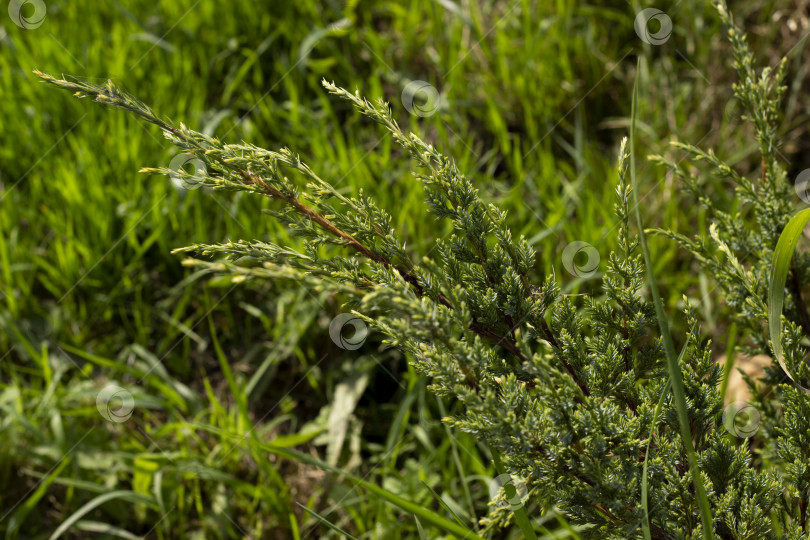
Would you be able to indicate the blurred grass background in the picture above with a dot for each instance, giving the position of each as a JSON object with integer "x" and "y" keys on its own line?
{"x": 535, "y": 100}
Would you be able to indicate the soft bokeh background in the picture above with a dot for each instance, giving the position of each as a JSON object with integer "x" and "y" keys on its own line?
{"x": 535, "y": 98}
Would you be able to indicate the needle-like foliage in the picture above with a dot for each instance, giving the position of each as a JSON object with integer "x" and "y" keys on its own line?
{"x": 563, "y": 389}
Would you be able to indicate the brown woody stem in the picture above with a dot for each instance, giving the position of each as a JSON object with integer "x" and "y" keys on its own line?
{"x": 350, "y": 241}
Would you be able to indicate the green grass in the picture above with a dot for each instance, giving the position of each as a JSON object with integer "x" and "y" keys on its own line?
{"x": 537, "y": 95}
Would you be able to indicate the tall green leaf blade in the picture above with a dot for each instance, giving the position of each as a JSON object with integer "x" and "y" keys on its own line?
{"x": 780, "y": 267}
{"x": 678, "y": 390}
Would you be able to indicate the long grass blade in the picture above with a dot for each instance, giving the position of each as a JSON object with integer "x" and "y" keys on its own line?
{"x": 678, "y": 391}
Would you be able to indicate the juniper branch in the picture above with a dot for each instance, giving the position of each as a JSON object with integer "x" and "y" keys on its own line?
{"x": 238, "y": 170}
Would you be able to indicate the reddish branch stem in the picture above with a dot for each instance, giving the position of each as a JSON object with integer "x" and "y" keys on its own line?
{"x": 350, "y": 241}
